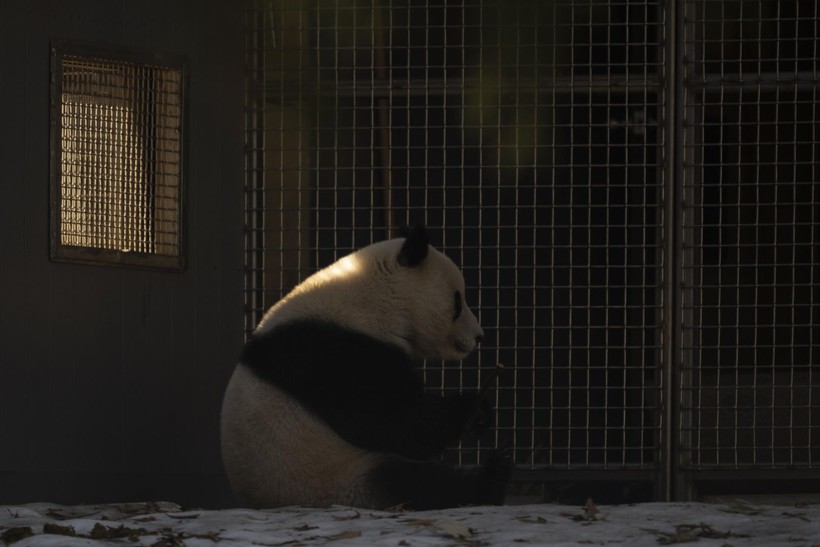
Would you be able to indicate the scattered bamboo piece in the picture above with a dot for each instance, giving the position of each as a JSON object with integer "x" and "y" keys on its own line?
{"x": 488, "y": 383}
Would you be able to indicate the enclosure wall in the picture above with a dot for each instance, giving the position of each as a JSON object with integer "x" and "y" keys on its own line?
{"x": 111, "y": 377}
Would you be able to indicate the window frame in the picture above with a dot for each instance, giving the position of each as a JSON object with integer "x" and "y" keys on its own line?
{"x": 62, "y": 252}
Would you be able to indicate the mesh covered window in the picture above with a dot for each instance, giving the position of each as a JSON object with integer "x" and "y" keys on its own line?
{"x": 117, "y": 171}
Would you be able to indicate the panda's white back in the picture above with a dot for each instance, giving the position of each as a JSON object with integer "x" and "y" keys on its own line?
{"x": 370, "y": 292}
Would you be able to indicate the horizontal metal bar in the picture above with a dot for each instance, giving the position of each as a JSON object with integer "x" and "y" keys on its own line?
{"x": 755, "y": 474}
{"x": 765, "y": 81}
{"x": 615, "y": 473}
{"x": 276, "y": 89}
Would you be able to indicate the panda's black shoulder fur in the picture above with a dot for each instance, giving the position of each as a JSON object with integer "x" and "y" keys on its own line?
{"x": 368, "y": 391}
{"x": 304, "y": 353}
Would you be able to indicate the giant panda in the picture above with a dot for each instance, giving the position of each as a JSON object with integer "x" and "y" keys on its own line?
{"x": 327, "y": 405}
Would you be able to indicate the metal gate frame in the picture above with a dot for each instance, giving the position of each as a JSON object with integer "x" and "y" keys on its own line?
{"x": 730, "y": 413}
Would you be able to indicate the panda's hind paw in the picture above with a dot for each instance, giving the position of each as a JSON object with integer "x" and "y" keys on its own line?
{"x": 497, "y": 471}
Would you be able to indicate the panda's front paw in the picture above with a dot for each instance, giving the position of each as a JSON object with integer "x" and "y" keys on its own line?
{"x": 484, "y": 418}
{"x": 478, "y": 412}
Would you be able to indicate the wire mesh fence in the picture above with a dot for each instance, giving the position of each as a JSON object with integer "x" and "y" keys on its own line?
{"x": 531, "y": 138}
{"x": 750, "y": 236}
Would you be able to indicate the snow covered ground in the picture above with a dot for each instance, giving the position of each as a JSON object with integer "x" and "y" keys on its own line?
{"x": 737, "y": 523}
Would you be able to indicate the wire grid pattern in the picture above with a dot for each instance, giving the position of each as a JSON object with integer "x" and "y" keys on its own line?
{"x": 525, "y": 135}
{"x": 256, "y": 33}
{"x": 751, "y": 262}
{"x": 120, "y": 157}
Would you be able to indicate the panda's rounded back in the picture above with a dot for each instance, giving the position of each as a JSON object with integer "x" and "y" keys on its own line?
{"x": 411, "y": 306}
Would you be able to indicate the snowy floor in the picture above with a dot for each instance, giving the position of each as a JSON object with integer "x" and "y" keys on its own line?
{"x": 165, "y": 524}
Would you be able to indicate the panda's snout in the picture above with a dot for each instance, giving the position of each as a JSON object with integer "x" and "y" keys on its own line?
{"x": 479, "y": 333}
{"x": 467, "y": 342}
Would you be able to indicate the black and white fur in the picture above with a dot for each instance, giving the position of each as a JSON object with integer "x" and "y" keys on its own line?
{"x": 327, "y": 406}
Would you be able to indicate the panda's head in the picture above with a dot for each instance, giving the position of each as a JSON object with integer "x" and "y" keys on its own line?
{"x": 402, "y": 291}
{"x": 442, "y": 325}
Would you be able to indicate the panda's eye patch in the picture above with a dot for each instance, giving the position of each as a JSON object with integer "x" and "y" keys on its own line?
{"x": 458, "y": 305}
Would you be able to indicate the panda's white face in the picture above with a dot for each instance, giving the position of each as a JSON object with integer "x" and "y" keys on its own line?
{"x": 404, "y": 292}
{"x": 443, "y": 325}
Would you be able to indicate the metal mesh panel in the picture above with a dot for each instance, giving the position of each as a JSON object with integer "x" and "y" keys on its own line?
{"x": 526, "y": 136}
{"x": 120, "y": 156}
{"x": 751, "y": 262}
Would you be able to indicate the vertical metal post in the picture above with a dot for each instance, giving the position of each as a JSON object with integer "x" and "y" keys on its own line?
{"x": 383, "y": 106}
{"x": 673, "y": 170}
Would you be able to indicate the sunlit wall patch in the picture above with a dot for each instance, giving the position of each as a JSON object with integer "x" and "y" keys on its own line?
{"x": 117, "y": 156}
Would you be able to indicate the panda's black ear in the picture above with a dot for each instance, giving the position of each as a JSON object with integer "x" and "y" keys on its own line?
{"x": 414, "y": 249}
